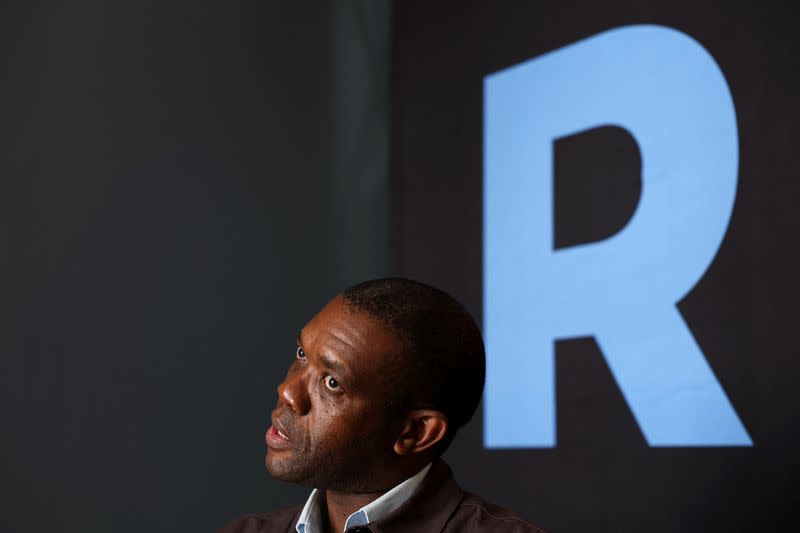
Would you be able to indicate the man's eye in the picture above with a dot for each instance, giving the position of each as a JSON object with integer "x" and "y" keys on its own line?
{"x": 300, "y": 354}
{"x": 332, "y": 384}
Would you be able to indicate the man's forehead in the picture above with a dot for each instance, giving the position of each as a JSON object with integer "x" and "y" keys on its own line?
{"x": 349, "y": 334}
{"x": 338, "y": 324}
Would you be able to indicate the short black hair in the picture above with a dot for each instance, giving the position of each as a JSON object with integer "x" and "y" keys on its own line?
{"x": 444, "y": 361}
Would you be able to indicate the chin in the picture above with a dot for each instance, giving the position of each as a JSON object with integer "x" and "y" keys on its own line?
{"x": 286, "y": 468}
{"x": 274, "y": 465}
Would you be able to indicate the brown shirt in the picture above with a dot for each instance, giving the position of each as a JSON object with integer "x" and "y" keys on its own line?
{"x": 439, "y": 506}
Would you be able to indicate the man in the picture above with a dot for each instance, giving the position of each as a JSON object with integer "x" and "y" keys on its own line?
{"x": 381, "y": 380}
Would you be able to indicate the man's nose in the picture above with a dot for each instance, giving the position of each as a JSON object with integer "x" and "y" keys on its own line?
{"x": 294, "y": 392}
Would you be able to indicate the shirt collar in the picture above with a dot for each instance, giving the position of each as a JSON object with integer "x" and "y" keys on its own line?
{"x": 310, "y": 516}
{"x": 310, "y": 520}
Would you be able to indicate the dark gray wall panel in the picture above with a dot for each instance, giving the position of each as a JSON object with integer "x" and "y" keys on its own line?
{"x": 182, "y": 186}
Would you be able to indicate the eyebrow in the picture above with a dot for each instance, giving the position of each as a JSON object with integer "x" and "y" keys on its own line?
{"x": 334, "y": 365}
{"x": 327, "y": 360}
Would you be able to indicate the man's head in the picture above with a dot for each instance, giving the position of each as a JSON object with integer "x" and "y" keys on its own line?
{"x": 381, "y": 380}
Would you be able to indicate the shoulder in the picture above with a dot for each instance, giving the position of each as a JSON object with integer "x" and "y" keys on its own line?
{"x": 276, "y": 521}
{"x": 476, "y": 514}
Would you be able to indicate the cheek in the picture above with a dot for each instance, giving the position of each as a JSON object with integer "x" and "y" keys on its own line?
{"x": 344, "y": 426}
{"x": 327, "y": 422}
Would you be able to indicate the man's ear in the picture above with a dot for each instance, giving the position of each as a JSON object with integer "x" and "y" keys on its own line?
{"x": 422, "y": 429}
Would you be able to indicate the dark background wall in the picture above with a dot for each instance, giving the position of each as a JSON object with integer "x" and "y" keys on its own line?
{"x": 602, "y": 476}
{"x": 182, "y": 186}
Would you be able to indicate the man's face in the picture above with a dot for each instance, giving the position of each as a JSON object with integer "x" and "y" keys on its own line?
{"x": 331, "y": 427}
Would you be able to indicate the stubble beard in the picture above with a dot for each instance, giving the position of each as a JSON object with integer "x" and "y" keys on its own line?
{"x": 353, "y": 470}
{"x": 289, "y": 469}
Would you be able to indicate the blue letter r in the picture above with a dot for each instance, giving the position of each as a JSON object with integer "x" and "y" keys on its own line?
{"x": 667, "y": 91}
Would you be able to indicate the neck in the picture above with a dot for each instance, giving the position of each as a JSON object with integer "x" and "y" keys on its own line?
{"x": 340, "y": 505}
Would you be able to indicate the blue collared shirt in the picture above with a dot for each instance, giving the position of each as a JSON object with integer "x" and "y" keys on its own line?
{"x": 310, "y": 520}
